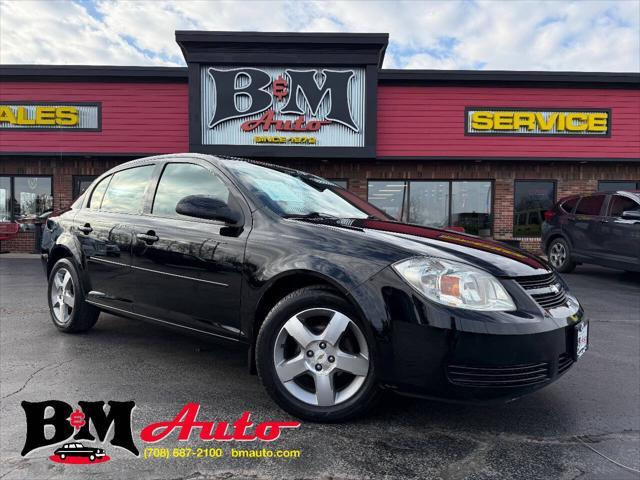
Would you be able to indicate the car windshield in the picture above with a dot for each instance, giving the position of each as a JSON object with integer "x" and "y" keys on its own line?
{"x": 295, "y": 194}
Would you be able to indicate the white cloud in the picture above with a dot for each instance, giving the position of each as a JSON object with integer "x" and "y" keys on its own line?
{"x": 507, "y": 35}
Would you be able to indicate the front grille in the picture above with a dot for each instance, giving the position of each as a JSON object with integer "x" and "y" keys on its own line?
{"x": 564, "y": 363}
{"x": 503, "y": 376}
{"x": 546, "y": 290}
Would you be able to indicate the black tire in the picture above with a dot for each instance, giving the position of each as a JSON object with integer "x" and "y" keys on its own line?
{"x": 559, "y": 255}
{"x": 82, "y": 316}
{"x": 301, "y": 300}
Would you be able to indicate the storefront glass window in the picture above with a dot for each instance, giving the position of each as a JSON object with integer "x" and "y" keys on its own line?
{"x": 471, "y": 207}
{"x": 5, "y": 196}
{"x": 615, "y": 185}
{"x": 437, "y": 203}
{"x": 388, "y": 196}
{"x": 429, "y": 203}
{"x": 32, "y": 196}
{"x": 531, "y": 200}
{"x": 81, "y": 183}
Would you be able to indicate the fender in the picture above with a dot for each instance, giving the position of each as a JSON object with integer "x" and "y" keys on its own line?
{"x": 67, "y": 245}
{"x": 325, "y": 271}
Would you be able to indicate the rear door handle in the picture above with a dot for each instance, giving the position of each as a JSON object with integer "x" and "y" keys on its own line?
{"x": 149, "y": 237}
{"x": 86, "y": 229}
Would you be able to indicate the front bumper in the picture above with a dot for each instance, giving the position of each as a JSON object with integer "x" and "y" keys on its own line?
{"x": 431, "y": 350}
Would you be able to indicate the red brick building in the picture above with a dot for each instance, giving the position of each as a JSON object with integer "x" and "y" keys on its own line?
{"x": 485, "y": 151}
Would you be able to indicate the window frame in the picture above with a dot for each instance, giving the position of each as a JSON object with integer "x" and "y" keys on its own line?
{"x": 404, "y": 216}
{"x": 554, "y": 202}
{"x": 12, "y": 177}
{"x": 152, "y": 179}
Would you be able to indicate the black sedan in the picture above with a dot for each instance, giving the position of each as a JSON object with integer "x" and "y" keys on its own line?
{"x": 79, "y": 450}
{"x": 334, "y": 300}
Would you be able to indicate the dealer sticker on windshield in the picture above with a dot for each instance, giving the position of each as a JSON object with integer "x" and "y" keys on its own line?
{"x": 582, "y": 338}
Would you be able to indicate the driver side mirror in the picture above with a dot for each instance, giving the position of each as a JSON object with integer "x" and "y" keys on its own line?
{"x": 209, "y": 208}
{"x": 631, "y": 215}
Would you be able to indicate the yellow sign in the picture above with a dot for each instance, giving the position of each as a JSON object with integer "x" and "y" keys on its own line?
{"x": 39, "y": 115}
{"x": 537, "y": 122}
{"x": 280, "y": 139}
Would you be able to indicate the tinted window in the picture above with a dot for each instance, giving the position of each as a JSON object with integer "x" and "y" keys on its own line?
{"x": 615, "y": 185}
{"x": 590, "y": 205}
{"x": 98, "y": 193}
{"x": 126, "y": 190}
{"x": 180, "y": 180}
{"x": 570, "y": 204}
{"x": 621, "y": 204}
{"x": 531, "y": 200}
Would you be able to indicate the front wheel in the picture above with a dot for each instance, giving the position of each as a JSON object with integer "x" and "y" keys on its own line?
{"x": 315, "y": 357}
{"x": 559, "y": 254}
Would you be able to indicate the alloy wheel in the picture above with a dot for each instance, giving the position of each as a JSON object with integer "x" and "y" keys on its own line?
{"x": 62, "y": 296}
{"x": 321, "y": 357}
{"x": 557, "y": 254}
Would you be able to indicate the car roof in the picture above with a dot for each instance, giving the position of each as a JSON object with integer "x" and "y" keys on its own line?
{"x": 218, "y": 160}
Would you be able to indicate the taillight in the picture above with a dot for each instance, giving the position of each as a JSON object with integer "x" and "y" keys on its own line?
{"x": 549, "y": 214}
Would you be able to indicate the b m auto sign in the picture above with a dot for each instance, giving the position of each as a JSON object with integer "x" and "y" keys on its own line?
{"x": 283, "y": 106}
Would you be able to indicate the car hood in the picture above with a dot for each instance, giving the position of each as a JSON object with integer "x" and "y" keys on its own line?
{"x": 495, "y": 257}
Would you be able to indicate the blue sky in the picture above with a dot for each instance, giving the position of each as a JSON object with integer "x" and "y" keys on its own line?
{"x": 468, "y": 34}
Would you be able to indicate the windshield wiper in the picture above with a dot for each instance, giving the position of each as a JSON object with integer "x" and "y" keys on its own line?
{"x": 311, "y": 216}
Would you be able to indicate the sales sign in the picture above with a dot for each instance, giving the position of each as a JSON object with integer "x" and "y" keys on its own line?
{"x": 537, "y": 122}
{"x": 50, "y": 116}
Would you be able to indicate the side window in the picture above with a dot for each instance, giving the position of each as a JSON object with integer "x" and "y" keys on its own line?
{"x": 570, "y": 204}
{"x": 621, "y": 204}
{"x": 590, "y": 205}
{"x": 98, "y": 193}
{"x": 126, "y": 190}
{"x": 180, "y": 180}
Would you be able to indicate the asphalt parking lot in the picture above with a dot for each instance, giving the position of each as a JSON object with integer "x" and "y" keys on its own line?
{"x": 541, "y": 436}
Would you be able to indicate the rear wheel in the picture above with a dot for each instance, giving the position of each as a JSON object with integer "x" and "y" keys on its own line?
{"x": 315, "y": 358}
{"x": 559, "y": 254}
{"x": 69, "y": 311}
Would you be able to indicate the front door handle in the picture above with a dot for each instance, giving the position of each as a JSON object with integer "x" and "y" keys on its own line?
{"x": 149, "y": 237}
{"x": 86, "y": 229}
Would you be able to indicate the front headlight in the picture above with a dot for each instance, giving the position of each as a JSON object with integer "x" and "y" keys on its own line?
{"x": 455, "y": 284}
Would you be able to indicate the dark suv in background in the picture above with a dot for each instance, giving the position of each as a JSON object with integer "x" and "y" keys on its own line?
{"x": 602, "y": 228}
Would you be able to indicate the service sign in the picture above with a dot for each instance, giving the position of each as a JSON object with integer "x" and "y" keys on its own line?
{"x": 537, "y": 122}
{"x": 308, "y": 107}
{"x": 50, "y": 116}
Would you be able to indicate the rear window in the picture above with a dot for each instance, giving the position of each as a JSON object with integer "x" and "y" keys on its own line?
{"x": 590, "y": 205}
{"x": 126, "y": 190}
{"x": 569, "y": 205}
